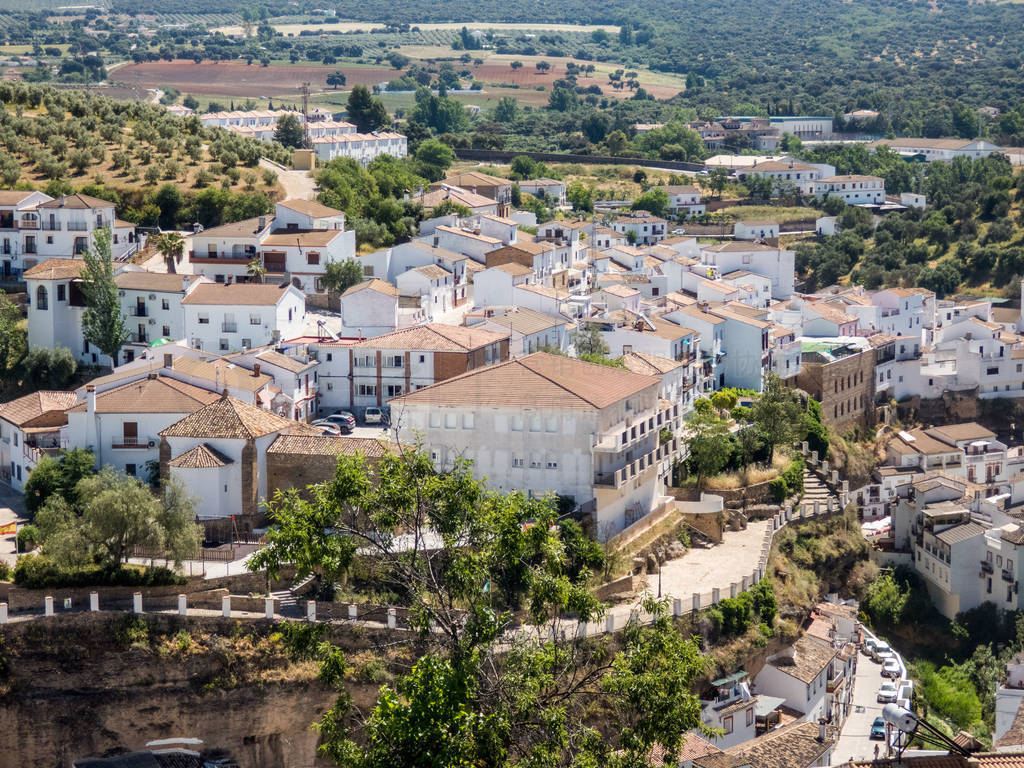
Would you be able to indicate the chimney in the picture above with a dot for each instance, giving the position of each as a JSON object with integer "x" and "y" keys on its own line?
{"x": 153, "y": 375}
{"x": 184, "y": 284}
{"x": 262, "y": 223}
{"x": 90, "y": 399}
{"x": 168, "y": 360}
{"x": 822, "y": 734}
{"x": 255, "y": 369}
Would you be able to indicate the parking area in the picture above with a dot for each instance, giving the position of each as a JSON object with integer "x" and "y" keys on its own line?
{"x": 854, "y": 739}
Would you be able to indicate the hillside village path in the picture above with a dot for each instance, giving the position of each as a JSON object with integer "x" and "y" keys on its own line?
{"x": 297, "y": 184}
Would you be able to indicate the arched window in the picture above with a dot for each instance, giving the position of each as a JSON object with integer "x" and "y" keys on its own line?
{"x": 41, "y": 298}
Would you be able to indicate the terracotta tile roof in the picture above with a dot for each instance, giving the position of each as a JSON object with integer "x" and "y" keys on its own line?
{"x": 302, "y": 238}
{"x": 524, "y": 246}
{"x": 734, "y": 246}
{"x": 692, "y": 747}
{"x": 471, "y": 200}
{"x": 514, "y": 268}
{"x": 327, "y": 445}
{"x": 153, "y": 394}
{"x": 776, "y": 165}
{"x": 476, "y": 179}
{"x": 13, "y": 196}
{"x": 954, "y": 433}
{"x": 221, "y": 372}
{"x": 158, "y": 282}
{"x": 679, "y": 189}
{"x": 290, "y": 364}
{"x": 432, "y": 272}
{"x": 77, "y": 201}
{"x": 959, "y": 533}
{"x": 539, "y": 380}
{"x": 543, "y": 290}
{"x": 202, "y": 456}
{"x": 649, "y": 365}
{"x": 232, "y": 419}
{"x": 374, "y": 284}
{"x": 472, "y": 235}
{"x": 791, "y": 746}
{"x": 525, "y": 320}
{"x": 435, "y": 337}
{"x": 810, "y": 656}
{"x": 830, "y": 312}
{"x": 237, "y": 294}
{"x": 924, "y": 143}
{"x": 622, "y": 291}
{"x": 984, "y": 760}
{"x": 310, "y": 208}
{"x": 25, "y": 410}
{"x": 55, "y": 269}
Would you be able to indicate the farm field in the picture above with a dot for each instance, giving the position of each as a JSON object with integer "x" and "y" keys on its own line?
{"x": 238, "y": 80}
{"x": 363, "y": 26}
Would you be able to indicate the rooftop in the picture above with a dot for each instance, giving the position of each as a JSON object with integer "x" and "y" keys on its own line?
{"x": 55, "y": 269}
{"x": 25, "y": 410}
{"x": 810, "y": 656}
{"x": 327, "y": 445}
{"x": 301, "y": 238}
{"x": 373, "y": 284}
{"x": 203, "y": 456}
{"x": 435, "y": 337}
{"x": 237, "y": 294}
{"x": 649, "y": 365}
{"x": 539, "y": 380}
{"x": 153, "y": 394}
{"x": 310, "y": 208}
{"x": 232, "y": 419}
{"x": 157, "y": 282}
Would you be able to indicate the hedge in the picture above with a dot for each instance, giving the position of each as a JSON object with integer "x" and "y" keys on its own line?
{"x": 41, "y": 573}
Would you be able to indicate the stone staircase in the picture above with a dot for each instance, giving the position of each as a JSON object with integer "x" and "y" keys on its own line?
{"x": 815, "y": 491}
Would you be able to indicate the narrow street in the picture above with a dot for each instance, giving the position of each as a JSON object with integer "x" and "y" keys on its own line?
{"x": 854, "y": 740}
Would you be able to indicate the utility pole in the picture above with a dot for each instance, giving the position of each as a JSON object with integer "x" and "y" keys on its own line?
{"x": 306, "y": 144}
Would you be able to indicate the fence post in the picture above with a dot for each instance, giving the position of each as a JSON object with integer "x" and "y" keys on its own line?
{"x": 609, "y": 623}
{"x": 835, "y": 477}
{"x": 353, "y": 612}
{"x": 270, "y": 607}
{"x": 716, "y": 595}
{"x": 817, "y": 507}
{"x": 392, "y": 618}
{"x": 814, "y": 457}
{"x": 634, "y": 616}
{"x": 824, "y": 467}
{"x": 311, "y": 610}
{"x": 137, "y": 602}
{"x": 733, "y": 589}
{"x": 183, "y": 605}
{"x": 48, "y": 605}
{"x": 581, "y": 630}
{"x": 745, "y": 584}
{"x": 696, "y": 601}
{"x": 677, "y": 606}
{"x": 225, "y": 606}
{"x": 94, "y": 601}
{"x": 3, "y": 613}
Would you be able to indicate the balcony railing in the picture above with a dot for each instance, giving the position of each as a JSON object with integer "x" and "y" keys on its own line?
{"x": 229, "y": 327}
{"x": 138, "y": 338}
{"x": 78, "y": 226}
{"x": 131, "y": 443}
{"x": 50, "y": 226}
{"x": 139, "y": 310}
{"x": 986, "y": 566}
{"x": 620, "y": 476}
{"x": 1007, "y": 574}
{"x": 28, "y": 224}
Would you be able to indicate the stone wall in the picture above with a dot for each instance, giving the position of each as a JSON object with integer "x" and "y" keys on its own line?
{"x": 292, "y": 470}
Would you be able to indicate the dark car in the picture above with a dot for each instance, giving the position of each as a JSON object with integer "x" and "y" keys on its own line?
{"x": 346, "y": 421}
{"x": 878, "y": 729}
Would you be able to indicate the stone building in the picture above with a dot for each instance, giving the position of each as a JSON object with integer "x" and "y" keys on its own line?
{"x": 841, "y": 376}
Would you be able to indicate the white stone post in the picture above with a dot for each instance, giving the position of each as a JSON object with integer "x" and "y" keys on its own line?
{"x": 696, "y": 601}
{"x": 392, "y": 618}
{"x": 733, "y": 589}
{"x": 716, "y": 596}
{"x": 814, "y": 457}
{"x": 3, "y": 613}
{"x": 270, "y": 607}
{"x": 94, "y": 601}
{"x": 225, "y": 606}
{"x": 311, "y": 610}
{"x": 677, "y": 606}
{"x": 183, "y": 605}
{"x": 353, "y": 612}
{"x": 817, "y": 507}
{"x": 745, "y": 584}
{"x": 609, "y": 623}
{"x": 48, "y": 605}
{"x": 137, "y": 602}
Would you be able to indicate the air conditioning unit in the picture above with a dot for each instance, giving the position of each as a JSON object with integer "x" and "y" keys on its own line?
{"x": 120, "y": 293}
{"x": 152, "y": 297}
{"x": 151, "y": 444}
{"x": 152, "y": 321}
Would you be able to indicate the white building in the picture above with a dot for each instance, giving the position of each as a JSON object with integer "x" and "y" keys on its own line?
{"x": 755, "y": 229}
{"x": 494, "y": 287}
{"x": 551, "y": 191}
{"x": 530, "y": 331}
{"x": 361, "y": 147}
{"x": 801, "y": 176}
{"x": 432, "y": 285}
{"x": 121, "y": 425}
{"x": 643, "y": 228}
{"x": 777, "y": 264}
{"x": 18, "y": 220}
{"x": 151, "y": 303}
{"x": 235, "y": 316}
{"x": 852, "y": 189}
{"x": 30, "y": 429}
{"x": 937, "y": 149}
{"x": 684, "y": 199}
{"x": 369, "y": 309}
{"x": 803, "y": 675}
{"x": 551, "y": 424}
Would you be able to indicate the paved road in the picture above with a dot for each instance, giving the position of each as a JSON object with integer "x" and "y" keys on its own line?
{"x": 853, "y": 739}
{"x": 297, "y": 184}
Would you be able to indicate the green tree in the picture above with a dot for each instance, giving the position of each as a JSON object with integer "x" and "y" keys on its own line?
{"x": 255, "y": 270}
{"x": 505, "y": 112}
{"x": 336, "y": 78}
{"x": 580, "y": 196}
{"x": 433, "y": 158}
{"x": 171, "y": 246}
{"x": 170, "y": 201}
{"x": 41, "y": 368}
{"x": 479, "y": 691}
{"x": 103, "y": 324}
{"x": 449, "y": 206}
{"x": 653, "y": 200}
{"x": 339, "y": 276}
{"x": 289, "y": 131}
{"x": 717, "y": 179}
{"x": 79, "y": 159}
{"x": 13, "y": 337}
{"x": 586, "y": 339}
{"x": 59, "y": 477}
{"x": 710, "y": 445}
{"x": 367, "y": 113}
{"x": 778, "y": 414}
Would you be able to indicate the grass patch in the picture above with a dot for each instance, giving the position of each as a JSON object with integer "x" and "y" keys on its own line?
{"x": 775, "y": 213}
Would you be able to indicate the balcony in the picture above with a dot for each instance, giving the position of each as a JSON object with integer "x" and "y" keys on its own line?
{"x": 834, "y": 683}
{"x": 1007, "y": 574}
{"x": 138, "y": 338}
{"x": 986, "y": 566}
{"x": 139, "y": 310}
{"x": 78, "y": 226}
{"x": 50, "y": 226}
{"x": 229, "y": 327}
{"x": 617, "y": 478}
{"x": 28, "y": 224}
{"x": 125, "y": 442}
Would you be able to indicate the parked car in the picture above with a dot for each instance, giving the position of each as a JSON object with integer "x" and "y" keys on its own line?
{"x": 327, "y": 427}
{"x": 881, "y": 652}
{"x": 374, "y": 415}
{"x": 679, "y": 231}
{"x": 888, "y": 692}
{"x": 878, "y": 729}
{"x": 345, "y": 421}
{"x": 869, "y": 646}
{"x": 891, "y": 668}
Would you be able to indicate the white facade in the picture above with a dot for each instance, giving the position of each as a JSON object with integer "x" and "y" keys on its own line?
{"x": 777, "y": 264}
{"x": 228, "y": 318}
{"x": 361, "y": 147}
{"x": 852, "y": 190}
{"x": 369, "y": 309}
{"x": 755, "y": 230}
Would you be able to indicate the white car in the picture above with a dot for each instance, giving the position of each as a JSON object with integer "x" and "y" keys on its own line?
{"x": 891, "y": 668}
{"x": 373, "y": 415}
{"x": 888, "y": 692}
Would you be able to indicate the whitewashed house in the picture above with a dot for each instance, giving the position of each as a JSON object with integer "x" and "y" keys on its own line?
{"x": 432, "y": 285}
{"x": 369, "y": 309}
{"x": 230, "y": 317}
{"x": 30, "y": 429}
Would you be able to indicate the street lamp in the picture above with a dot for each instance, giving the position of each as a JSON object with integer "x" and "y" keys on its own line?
{"x": 661, "y": 565}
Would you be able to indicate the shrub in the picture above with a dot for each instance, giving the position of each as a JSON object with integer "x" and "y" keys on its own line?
{"x": 28, "y": 538}
{"x": 793, "y": 475}
{"x": 42, "y": 573}
{"x": 780, "y": 491}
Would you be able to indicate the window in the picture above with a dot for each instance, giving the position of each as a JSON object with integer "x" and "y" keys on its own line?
{"x": 992, "y": 371}
{"x": 423, "y": 358}
{"x": 450, "y": 420}
{"x": 395, "y": 361}
{"x": 727, "y": 724}
{"x": 165, "y": 331}
{"x": 368, "y": 390}
{"x": 394, "y": 390}
{"x": 224, "y": 345}
{"x": 552, "y": 464}
{"x": 42, "y": 302}
{"x": 517, "y": 423}
{"x": 517, "y": 462}
{"x": 750, "y": 716}
{"x": 129, "y": 469}
{"x": 330, "y": 386}
{"x": 49, "y": 239}
{"x": 988, "y": 586}
{"x": 247, "y": 343}
{"x": 312, "y": 258}
{"x": 435, "y": 419}
{"x": 254, "y": 318}
{"x": 551, "y": 424}
{"x": 535, "y": 423}
{"x": 62, "y": 294}
{"x": 330, "y": 357}
{"x": 204, "y": 318}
